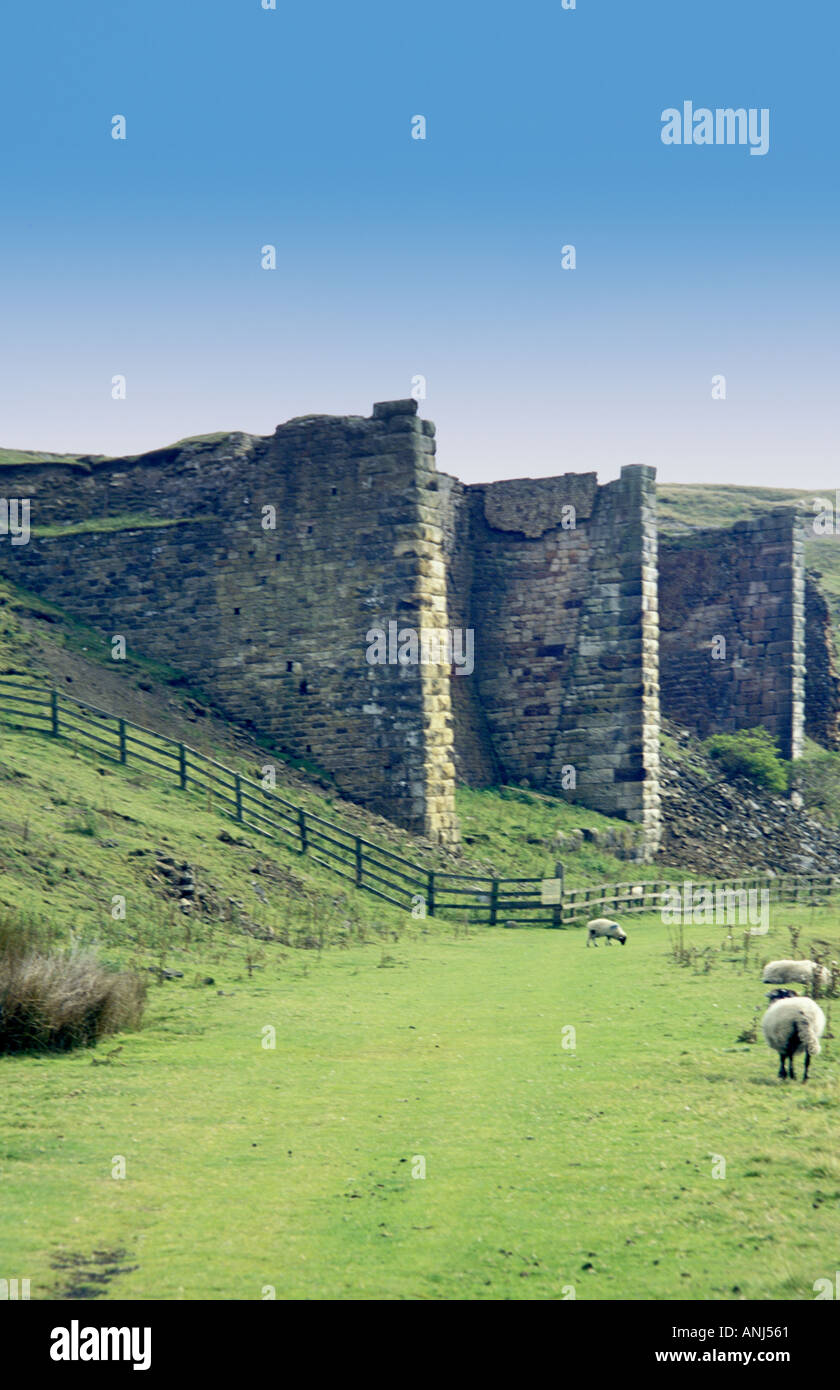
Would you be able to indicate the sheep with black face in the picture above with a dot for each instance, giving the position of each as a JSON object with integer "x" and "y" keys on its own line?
{"x": 793, "y": 1023}
{"x": 602, "y": 926}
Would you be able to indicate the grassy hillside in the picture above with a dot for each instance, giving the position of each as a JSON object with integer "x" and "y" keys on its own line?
{"x": 554, "y": 1160}
{"x": 81, "y": 462}
{"x": 689, "y": 506}
{"x": 17, "y": 458}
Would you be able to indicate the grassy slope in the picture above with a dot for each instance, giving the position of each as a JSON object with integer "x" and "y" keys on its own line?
{"x": 17, "y": 458}
{"x": 687, "y": 506}
{"x": 292, "y": 1166}
{"x": 105, "y": 524}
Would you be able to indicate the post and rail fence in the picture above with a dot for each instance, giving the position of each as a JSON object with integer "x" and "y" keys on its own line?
{"x": 490, "y": 900}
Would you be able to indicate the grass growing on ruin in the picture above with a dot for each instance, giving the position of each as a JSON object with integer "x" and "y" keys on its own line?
{"x": 134, "y": 521}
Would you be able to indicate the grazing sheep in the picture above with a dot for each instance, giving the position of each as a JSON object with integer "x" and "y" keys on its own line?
{"x": 796, "y": 972}
{"x": 792, "y": 1024}
{"x": 602, "y": 926}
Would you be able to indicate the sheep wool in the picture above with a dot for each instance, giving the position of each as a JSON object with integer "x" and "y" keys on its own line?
{"x": 792, "y": 1024}
{"x": 796, "y": 972}
{"x": 602, "y": 926}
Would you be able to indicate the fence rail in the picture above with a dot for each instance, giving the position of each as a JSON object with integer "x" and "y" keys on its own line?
{"x": 372, "y": 867}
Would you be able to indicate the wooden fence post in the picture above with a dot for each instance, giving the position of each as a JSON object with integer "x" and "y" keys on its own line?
{"x": 182, "y": 767}
{"x": 238, "y": 785}
{"x": 302, "y": 829}
{"x": 123, "y": 749}
{"x": 54, "y": 712}
{"x": 359, "y": 864}
{"x": 430, "y": 894}
{"x": 557, "y": 913}
{"x": 494, "y": 901}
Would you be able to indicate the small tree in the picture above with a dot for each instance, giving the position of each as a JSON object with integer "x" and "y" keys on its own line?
{"x": 751, "y": 753}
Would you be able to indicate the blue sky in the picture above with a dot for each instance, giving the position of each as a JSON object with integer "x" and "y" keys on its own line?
{"x": 442, "y": 257}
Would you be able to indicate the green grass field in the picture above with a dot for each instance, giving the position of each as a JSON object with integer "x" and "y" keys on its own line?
{"x": 546, "y": 1168}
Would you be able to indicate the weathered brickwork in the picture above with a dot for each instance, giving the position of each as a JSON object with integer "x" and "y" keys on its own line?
{"x": 822, "y": 683}
{"x": 258, "y": 566}
{"x": 745, "y": 585}
{"x": 558, "y": 578}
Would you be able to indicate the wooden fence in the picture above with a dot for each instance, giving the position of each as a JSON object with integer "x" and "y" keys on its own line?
{"x": 581, "y": 904}
{"x": 372, "y": 867}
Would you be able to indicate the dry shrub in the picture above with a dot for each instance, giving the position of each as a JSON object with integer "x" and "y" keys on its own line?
{"x": 62, "y": 1000}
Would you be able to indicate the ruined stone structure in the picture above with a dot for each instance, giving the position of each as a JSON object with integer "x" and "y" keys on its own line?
{"x": 732, "y": 650}
{"x": 557, "y": 576}
{"x": 260, "y": 566}
{"x": 268, "y": 610}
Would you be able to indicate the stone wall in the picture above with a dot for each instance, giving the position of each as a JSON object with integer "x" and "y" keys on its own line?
{"x": 743, "y": 590}
{"x": 476, "y": 757}
{"x": 258, "y": 566}
{"x": 557, "y": 577}
{"x": 273, "y": 622}
{"x": 177, "y": 554}
{"x": 822, "y": 683}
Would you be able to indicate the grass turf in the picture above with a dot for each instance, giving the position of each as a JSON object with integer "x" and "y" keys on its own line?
{"x": 547, "y": 1169}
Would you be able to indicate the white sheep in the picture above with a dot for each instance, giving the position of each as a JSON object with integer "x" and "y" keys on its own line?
{"x": 602, "y": 926}
{"x": 796, "y": 972}
{"x": 792, "y": 1024}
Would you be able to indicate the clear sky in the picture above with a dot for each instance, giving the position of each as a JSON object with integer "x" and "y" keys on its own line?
{"x": 441, "y": 257}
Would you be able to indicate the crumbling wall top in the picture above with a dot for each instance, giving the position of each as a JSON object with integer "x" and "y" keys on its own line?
{"x": 533, "y": 506}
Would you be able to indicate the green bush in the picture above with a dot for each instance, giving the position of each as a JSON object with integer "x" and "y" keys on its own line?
{"x": 751, "y": 753}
